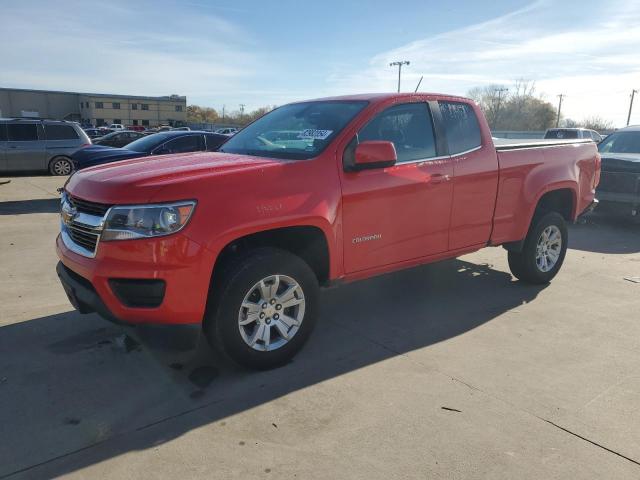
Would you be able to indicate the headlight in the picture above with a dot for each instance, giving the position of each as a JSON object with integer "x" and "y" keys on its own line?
{"x": 144, "y": 221}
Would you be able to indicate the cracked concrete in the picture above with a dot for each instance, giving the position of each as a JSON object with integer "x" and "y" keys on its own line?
{"x": 453, "y": 370}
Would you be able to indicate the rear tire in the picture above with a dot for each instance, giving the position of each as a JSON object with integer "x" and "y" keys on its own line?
{"x": 60, "y": 166}
{"x": 268, "y": 297}
{"x": 544, "y": 250}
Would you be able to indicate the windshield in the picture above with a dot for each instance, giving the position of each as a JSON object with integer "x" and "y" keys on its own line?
{"x": 148, "y": 143}
{"x": 297, "y": 131}
{"x": 621, "y": 142}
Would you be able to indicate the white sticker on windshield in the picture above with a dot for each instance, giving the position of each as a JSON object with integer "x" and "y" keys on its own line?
{"x": 314, "y": 134}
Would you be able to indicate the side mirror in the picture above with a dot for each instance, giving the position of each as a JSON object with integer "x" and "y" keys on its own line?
{"x": 375, "y": 154}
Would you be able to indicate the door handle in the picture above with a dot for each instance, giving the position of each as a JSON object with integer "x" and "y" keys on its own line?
{"x": 439, "y": 178}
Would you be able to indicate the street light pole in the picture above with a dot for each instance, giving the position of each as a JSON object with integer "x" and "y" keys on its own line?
{"x": 399, "y": 64}
{"x": 633, "y": 93}
{"x": 561, "y": 96}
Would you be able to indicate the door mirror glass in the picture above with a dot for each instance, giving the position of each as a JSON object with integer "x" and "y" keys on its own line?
{"x": 375, "y": 154}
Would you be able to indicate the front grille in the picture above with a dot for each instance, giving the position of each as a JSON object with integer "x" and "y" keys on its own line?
{"x": 84, "y": 236}
{"x": 91, "y": 208}
{"x": 619, "y": 182}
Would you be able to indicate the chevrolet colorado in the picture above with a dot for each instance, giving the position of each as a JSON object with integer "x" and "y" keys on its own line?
{"x": 241, "y": 239}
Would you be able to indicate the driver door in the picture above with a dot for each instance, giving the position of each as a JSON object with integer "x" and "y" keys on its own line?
{"x": 398, "y": 213}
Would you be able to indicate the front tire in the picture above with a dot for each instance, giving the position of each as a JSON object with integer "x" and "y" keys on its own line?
{"x": 544, "y": 250}
{"x": 265, "y": 309}
{"x": 60, "y": 166}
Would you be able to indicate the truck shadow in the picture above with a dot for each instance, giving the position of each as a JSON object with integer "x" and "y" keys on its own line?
{"x": 603, "y": 234}
{"x": 21, "y": 207}
{"x": 77, "y": 390}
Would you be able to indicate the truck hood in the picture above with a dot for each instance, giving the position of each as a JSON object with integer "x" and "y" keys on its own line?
{"x": 139, "y": 180}
{"x": 621, "y": 162}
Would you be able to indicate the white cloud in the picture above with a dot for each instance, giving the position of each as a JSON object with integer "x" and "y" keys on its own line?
{"x": 578, "y": 48}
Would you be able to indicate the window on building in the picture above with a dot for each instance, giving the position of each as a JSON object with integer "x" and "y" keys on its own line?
{"x": 22, "y": 132}
{"x": 99, "y": 122}
{"x": 178, "y": 108}
{"x": 135, "y": 122}
{"x": 59, "y": 132}
{"x": 81, "y": 105}
{"x": 145, "y": 123}
{"x": 87, "y": 104}
{"x": 99, "y": 105}
{"x": 144, "y": 106}
{"x": 134, "y": 106}
{"x": 116, "y": 105}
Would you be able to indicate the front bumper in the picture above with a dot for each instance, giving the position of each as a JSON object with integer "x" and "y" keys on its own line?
{"x": 621, "y": 204}
{"x": 181, "y": 265}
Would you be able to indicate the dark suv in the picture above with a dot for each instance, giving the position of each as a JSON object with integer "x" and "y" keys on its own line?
{"x": 28, "y": 144}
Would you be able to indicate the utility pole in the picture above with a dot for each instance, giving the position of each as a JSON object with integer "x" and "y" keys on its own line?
{"x": 223, "y": 107}
{"x": 399, "y": 64}
{"x": 561, "y": 96}
{"x": 499, "y": 92}
{"x": 633, "y": 94}
{"x": 241, "y": 111}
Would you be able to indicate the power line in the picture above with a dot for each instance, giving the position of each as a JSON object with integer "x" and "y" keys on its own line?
{"x": 399, "y": 64}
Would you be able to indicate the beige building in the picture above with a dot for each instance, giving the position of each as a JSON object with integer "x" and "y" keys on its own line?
{"x": 94, "y": 108}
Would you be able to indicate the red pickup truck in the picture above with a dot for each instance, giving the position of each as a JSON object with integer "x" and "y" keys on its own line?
{"x": 312, "y": 194}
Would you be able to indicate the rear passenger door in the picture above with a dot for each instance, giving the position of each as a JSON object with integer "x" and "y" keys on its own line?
{"x": 475, "y": 175}
{"x": 25, "y": 147}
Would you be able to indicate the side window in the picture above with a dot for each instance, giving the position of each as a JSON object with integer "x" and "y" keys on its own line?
{"x": 461, "y": 127}
{"x": 60, "y": 132}
{"x": 408, "y": 126}
{"x": 214, "y": 142}
{"x": 3, "y": 132}
{"x": 189, "y": 143}
{"x": 22, "y": 132}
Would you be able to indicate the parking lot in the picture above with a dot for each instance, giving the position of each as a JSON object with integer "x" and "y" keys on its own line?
{"x": 453, "y": 370}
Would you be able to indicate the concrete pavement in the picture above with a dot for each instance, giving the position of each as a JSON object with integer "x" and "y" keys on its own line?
{"x": 453, "y": 370}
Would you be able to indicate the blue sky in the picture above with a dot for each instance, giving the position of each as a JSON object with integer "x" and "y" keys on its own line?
{"x": 259, "y": 53}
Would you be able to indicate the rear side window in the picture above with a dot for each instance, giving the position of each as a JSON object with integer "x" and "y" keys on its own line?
{"x": 60, "y": 132}
{"x": 3, "y": 132}
{"x": 190, "y": 143}
{"x": 22, "y": 132}
{"x": 408, "y": 127}
{"x": 214, "y": 142}
{"x": 461, "y": 127}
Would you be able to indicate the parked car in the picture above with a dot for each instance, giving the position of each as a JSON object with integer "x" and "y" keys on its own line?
{"x": 118, "y": 138}
{"x": 155, "y": 144}
{"x": 30, "y": 144}
{"x": 227, "y": 131}
{"x": 568, "y": 133}
{"x": 163, "y": 128}
{"x": 136, "y": 128}
{"x": 116, "y": 126}
{"x": 93, "y": 132}
{"x": 186, "y": 129}
{"x": 239, "y": 240}
{"x": 619, "y": 188}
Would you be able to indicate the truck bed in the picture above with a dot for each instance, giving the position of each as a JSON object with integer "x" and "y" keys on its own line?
{"x": 513, "y": 144}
